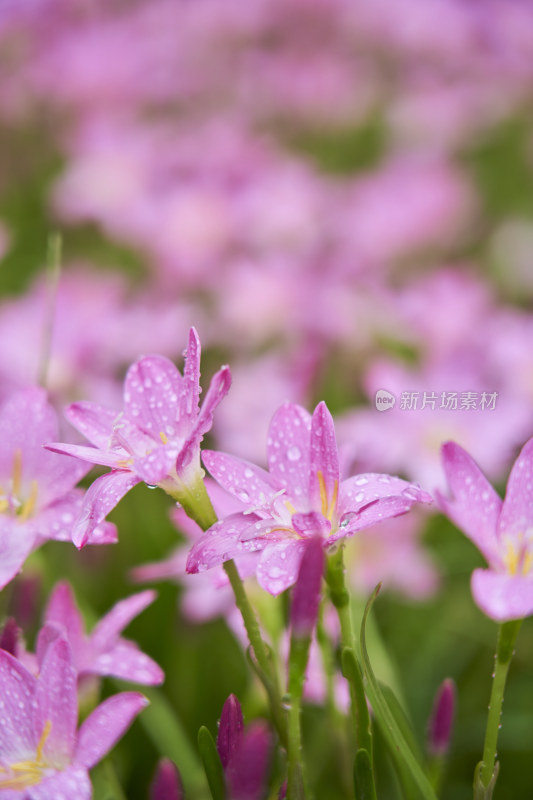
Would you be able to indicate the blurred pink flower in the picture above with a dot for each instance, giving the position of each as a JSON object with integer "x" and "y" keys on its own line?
{"x": 104, "y": 651}
{"x": 501, "y": 531}
{"x": 38, "y": 500}
{"x": 42, "y": 755}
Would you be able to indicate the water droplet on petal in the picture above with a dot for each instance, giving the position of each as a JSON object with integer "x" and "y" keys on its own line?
{"x": 294, "y": 453}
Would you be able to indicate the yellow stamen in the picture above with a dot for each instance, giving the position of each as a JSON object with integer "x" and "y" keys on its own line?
{"x": 289, "y": 506}
{"x": 26, "y": 773}
{"x": 42, "y": 741}
{"x": 29, "y": 506}
{"x": 17, "y": 471}
{"x": 4, "y": 505}
{"x": 323, "y": 493}
{"x": 124, "y": 463}
{"x": 333, "y": 504}
{"x": 511, "y": 559}
{"x": 164, "y": 437}
{"x": 327, "y": 508}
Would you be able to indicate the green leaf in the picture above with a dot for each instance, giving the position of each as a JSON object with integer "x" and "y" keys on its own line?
{"x": 402, "y": 720}
{"x": 363, "y": 776}
{"x": 105, "y": 782}
{"x": 212, "y": 764}
{"x": 399, "y": 748}
{"x": 166, "y": 732}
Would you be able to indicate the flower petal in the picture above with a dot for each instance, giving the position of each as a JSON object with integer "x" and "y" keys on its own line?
{"x": 95, "y": 422}
{"x": 107, "y": 631}
{"x": 67, "y": 784}
{"x": 190, "y": 387}
{"x": 311, "y": 524}
{"x": 501, "y": 596}
{"x": 101, "y": 497}
{"x": 166, "y": 784}
{"x": 218, "y": 389}
{"x": 279, "y": 565}
{"x": 151, "y": 390}
{"x": 222, "y": 542}
{"x": 127, "y": 662}
{"x": 474, "y": 506}
{"x": 108, "y": 458}
{"x": 56, "y": 703}
{"x": 377, "y": 511}
{"x": 17, "y": 689}
{"x": 242, "y": 479}
{"x": 324, "y": 457}
{"x": 230, "y": 730}
{"x": 63, "y": 611}
{"x": 517, "y": 511}
{"x": 288, "y": 451}
{"x": 16, "y": 543}
{"x": 104, "y": 727}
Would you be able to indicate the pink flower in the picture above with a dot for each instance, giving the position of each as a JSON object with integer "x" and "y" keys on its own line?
{"x": 42, "y": 755}
{"x": 502, "y": 531}
{"x": 301, "y": 496}
{"x": 104, "y": 651}
{"x": 166, "y": 784}
{"x": 38, "y": 500}
{"x": 155, "y": 439}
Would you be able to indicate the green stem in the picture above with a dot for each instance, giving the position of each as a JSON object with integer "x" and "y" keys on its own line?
{"x": 297, "y": 665}
{"x": 341, "y": 600}
{"x": 266, "y": 670}
{"x": 197, "y": 505}
{"x": 507, "y": 634}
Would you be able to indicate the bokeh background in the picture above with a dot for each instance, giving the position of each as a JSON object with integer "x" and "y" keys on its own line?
{"x": 338, "y": 195}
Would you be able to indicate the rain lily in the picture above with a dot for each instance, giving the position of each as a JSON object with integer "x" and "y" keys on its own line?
{"x": 502, "y": 531}
{"x": 42, "y": 755}
{"x": 104, "y": 651}
{"x": 299, "y": 497}
{"x": 156, "y": 439}
{"x": 38, "y": 500}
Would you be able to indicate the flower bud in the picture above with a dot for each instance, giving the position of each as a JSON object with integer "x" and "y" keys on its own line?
{"x": 441, "y": 720}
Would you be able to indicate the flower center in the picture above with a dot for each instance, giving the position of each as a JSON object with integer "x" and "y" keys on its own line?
{"x": 11, "y": 500}
{"x": 518, "y": 555}
{"x": 26, "y": 773}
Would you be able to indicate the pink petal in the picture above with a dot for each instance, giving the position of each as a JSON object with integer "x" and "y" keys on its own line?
{"x": 63, "y": 611}
{"x": 108, "y": 458}
{"x": 311, "y": 524}
{"x": 517, "y": 510}
{"x": 95, "y": 422}
{"x": 474, "y": 506}
{"x": 324, "y": 456}
{"x": 104, "y": 727}
{"x": 288, "y": 451}
{"x": 56, "y": 702}
{"x": 268, "y": 530}
{"x": 26, "y": 422}
{"x": 101, "y": 497}
{"x": 70, "y": 783}
{"x": 242, "y": 479}
{"x": 377, "y": 511}
{"x": 111, "y": 626}
{"x": 127, "y": 662}
{"x": 151, "y": 392}
{"x": 501, "y": 596}
{"x": 16, "y": 543}
{"x": 279, "y": 565}
{"x": 48, "y": 634}
{"x": 17, "y": 689}
{"x": 307, "y": 591}
{"x": 222, "y": 542}
{"x": 154, "y": 465}
{"x": 190, "y": 387}
{"x": 218, "y": 389}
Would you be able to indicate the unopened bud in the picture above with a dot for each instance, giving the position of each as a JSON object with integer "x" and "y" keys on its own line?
{"x": 229, "y": 730}
{"x": 306, "y": 593}
{"x": 441, "y": 720}
{"x": 166, "y": 784}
